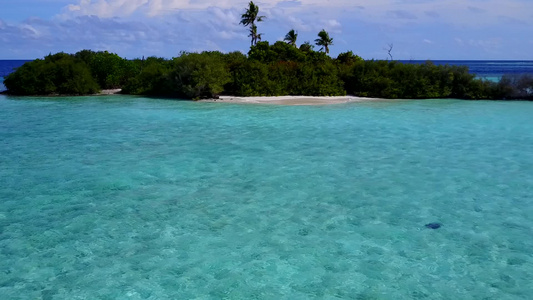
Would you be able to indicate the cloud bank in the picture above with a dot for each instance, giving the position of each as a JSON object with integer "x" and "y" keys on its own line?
{"x": 419, "y": 29}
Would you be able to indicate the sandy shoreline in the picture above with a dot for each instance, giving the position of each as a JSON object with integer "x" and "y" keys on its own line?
{"x": 110, "y": 92}
{"x": 292, "y": 100}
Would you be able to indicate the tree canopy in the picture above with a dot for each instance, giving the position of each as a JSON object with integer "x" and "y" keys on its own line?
{"x": 268, "y": 70}
{"x": 60, "y": 73}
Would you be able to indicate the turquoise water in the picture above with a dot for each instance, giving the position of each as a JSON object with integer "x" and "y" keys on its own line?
{"x": 133, "y": 198}
{"x": 491, "y": 78}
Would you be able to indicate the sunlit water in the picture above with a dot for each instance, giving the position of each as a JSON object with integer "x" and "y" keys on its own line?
{"x": 134, "y": 198}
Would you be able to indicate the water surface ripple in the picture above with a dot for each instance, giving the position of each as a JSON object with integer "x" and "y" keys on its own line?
{"x": 134, "y": 198}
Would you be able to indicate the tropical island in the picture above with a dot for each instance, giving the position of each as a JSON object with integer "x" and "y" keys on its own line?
{"x": 283, "y": 68}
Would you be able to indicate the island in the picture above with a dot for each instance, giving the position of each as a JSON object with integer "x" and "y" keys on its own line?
{"x": 278, "y": 69}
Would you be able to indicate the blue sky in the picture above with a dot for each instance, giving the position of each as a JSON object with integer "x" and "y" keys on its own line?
{"x": 417, "y": 29}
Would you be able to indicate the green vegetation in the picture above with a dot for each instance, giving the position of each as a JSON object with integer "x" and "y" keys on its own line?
{"x": 390, "y": 79}
{"x": 515, "y": 87}
{"x": 282, "y": 68}
{"x": 267, "y": 70}
{"x": 55, "y": 74}
{"x": 108, "y": 69}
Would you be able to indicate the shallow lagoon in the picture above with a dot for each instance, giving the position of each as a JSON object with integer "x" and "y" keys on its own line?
{"x": 132, "y": 198}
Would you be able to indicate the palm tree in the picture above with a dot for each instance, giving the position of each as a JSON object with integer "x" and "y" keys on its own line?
{"x": 249, "y": 18}
{"x": 253, "y": 33}
{"x": 291, "y": 37}
{"x": 307, "y": 47}
{"x": 324, "y": 40}
{"x": 256, "y": 37}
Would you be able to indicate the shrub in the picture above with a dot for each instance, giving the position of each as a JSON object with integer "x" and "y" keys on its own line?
{"x": 56, "y": 74}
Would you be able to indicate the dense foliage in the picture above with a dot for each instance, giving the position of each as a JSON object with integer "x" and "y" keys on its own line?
{"x": 267, "y": 70}
{"x": 387, "y": 79}
{"x": 282, "y": 69}
{"x": 515, "y": 87}
{"x": 55, "y": 74}
{"x": 108, "y": 69}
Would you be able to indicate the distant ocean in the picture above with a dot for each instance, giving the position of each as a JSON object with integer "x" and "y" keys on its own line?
{"x": 488, "y": 69}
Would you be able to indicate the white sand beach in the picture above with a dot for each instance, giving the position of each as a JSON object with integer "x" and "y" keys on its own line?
{"x": 292, "y": 100}
{"x": 110, "y": 92}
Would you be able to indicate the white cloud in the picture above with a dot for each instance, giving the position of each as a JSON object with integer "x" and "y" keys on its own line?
{"x": 30, "y": 31}
{"x": 392, "y": 12}
{"x": 121, "y": 8}
{"x": 106, "y": 8}
{"x": 489, "y": 45}
{"x": 332, "y": 25}
{"x": 165, "y": 27}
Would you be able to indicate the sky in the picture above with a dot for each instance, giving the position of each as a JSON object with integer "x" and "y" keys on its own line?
{"x": 416, "y": 29}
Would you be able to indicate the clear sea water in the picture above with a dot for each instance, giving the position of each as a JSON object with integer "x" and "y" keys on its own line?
{"x": 132, "y": 198}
